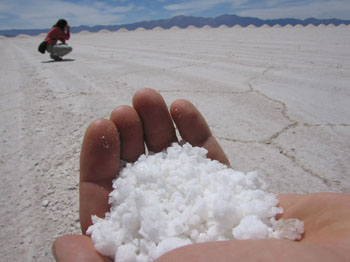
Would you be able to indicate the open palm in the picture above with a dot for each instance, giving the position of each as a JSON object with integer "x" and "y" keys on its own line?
{"x": 107, "y": 142}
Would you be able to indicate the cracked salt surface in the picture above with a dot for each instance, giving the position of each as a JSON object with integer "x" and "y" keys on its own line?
{"x": 178, "y": 197}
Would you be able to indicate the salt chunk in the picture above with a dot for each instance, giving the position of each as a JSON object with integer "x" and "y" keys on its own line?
{"x": 200, "y": 209}
{"x": 250, "y": 227}
{"x": 152, "y": 223}
{"x": 146, "y": 246}
{"x": 225, "y": 212}
{"x": 213, "y": 233}
{"x": 202, "y": 238}
{"x": 45, "y": 203}
{"x": 291, "y": 229}
{"x": 254, "y": 182}
{"x": 194, "y": 220}
{"x": 105, "y": 240}
{"x": 130, "y": 221}
{"x": 194, "y": 236}
{"x": 257, "y": 207}
{"x": 175, "y": 227}
{"x": 126, "y": 253}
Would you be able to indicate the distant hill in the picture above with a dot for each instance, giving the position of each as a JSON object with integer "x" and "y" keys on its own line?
{"x": 185, "y": 21}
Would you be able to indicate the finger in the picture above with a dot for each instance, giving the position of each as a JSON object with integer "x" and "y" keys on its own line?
{"x": 130, "y": 130}
{"x": 99, "y": 165}
{"x": 159, "y": 131}
{"x": 76, "y": 248}
{"x": 194, "y": 129}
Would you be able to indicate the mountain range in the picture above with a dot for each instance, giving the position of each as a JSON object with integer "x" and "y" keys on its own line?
{"x": 185, "y": 21}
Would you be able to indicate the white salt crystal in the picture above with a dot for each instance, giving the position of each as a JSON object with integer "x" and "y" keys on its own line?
{"x": 105, "y": 240}
{"x": 194, "y": 236}
{"x": 202, "y": 238}
{"x": 213, "y": 233}
{"x": 250, "y": 227}
{"x": 45, "y": 203}
{"x": 291, "y": 229}
{"x": 179, "y": 197}
{"x": 126, "y": 253}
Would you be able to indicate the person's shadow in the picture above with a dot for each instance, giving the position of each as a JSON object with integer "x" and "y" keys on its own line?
{"x": 59, "y": 61}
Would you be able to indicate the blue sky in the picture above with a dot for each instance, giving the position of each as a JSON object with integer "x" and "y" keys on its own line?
{"x": 29, "y": 14}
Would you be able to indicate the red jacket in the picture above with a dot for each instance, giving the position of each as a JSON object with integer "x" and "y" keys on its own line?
{"x": 56, "y": 34}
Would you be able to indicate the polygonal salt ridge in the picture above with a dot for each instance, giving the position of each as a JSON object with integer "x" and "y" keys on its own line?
{"x": 270, "y": 115}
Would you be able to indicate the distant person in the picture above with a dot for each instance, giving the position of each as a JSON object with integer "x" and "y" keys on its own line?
{"x": 59, "y": 32}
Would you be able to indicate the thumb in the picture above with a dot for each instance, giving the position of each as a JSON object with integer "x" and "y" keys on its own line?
{"x": 76, "y": 248}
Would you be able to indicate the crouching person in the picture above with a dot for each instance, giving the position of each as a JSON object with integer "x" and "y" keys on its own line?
{"x": 59, "y": 32}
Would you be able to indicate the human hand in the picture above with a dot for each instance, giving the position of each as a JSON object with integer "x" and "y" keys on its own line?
{"x": 106, "y": 142}
{"x": 326, "y": 216}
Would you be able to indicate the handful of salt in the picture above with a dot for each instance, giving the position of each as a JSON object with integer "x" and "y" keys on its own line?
{"x": 179, "y": 197}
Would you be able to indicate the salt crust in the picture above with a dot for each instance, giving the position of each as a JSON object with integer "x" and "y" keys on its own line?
{"x": 179, "y": 197}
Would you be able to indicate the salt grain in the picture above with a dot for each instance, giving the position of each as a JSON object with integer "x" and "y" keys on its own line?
{"x": 45, "y": 203}
{"x": 179, "y": 197}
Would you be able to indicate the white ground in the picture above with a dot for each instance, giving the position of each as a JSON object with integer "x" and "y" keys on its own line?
{"x": 278, "y": 100}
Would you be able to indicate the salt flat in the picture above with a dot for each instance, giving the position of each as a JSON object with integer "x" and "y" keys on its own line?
{"x": 277, "y": 99}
